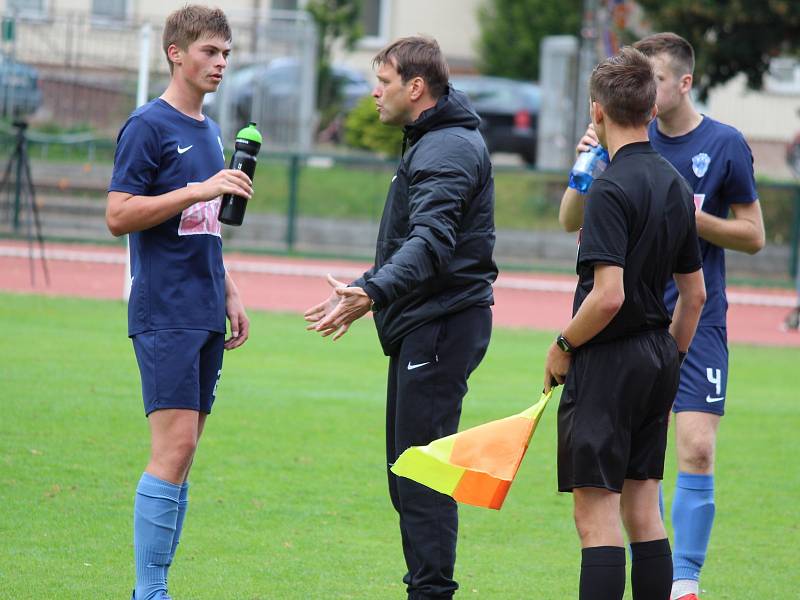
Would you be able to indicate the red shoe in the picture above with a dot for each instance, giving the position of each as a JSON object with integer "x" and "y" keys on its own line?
{"x": 689, "y": 597}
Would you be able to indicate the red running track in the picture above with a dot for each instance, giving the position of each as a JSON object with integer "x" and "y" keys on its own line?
{"x": 533, "y": 301}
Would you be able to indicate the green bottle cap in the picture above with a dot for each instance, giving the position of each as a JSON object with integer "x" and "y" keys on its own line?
{"x": 250, "y": 133}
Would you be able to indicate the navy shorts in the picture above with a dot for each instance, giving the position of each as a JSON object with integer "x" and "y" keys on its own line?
{"x": 704, "y": 375}
{"x": 179, "y": 368}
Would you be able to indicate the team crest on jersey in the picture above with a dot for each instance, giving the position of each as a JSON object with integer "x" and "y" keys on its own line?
{"x": 700, "y": 163}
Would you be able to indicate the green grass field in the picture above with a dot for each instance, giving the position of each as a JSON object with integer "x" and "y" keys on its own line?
{"x": 289, "y": 498}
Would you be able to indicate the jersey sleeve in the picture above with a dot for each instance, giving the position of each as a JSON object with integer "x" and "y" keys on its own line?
{"x": 604, "y": 237}
{"x": 136, "y": 158}
{"x": 739, "y": 186}
{"x": 689, "y": 258}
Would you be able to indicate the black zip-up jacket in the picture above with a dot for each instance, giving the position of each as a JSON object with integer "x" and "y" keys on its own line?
{"x": 436, "y": 236}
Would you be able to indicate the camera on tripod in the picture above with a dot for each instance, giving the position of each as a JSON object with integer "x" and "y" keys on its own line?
{"x": 20, "y": 95}
{"x": 21, "y": 196}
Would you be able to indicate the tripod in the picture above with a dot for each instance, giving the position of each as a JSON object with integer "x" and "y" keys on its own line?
{"x": 24, "y": 197}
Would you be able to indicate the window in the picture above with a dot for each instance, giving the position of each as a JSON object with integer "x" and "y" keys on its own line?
{"x": 110, "y": 10}
{"x": 375, "y": 20}
{"x": 783, "y": 76}
{"x": 284, "y": 5}
{"x": 27, "y": 8}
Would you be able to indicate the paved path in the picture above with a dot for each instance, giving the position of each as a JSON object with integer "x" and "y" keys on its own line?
{"x": 533, "y": 301}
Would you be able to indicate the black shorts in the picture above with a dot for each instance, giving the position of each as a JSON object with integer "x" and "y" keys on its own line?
{"x": 614, "y": 412}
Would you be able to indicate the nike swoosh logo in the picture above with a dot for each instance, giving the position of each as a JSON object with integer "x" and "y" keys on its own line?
{"x": 417, "y": 366}
{"x": 711, "y": 399}
{"x": 182, "y": 150}
{"x": 395, "y": 177}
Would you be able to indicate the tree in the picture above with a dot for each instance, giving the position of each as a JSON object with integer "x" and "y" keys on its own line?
{"x": 512, "y": 30}
{"x": 730, "y": 36}
{"x": 337, "y": 20}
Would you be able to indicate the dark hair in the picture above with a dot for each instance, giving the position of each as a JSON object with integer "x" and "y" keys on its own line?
{"x": 678, "y": 49}
{"x": 188, "y": 24}
{"x": 417, "y": 57}
{"x": 625, "y": 86}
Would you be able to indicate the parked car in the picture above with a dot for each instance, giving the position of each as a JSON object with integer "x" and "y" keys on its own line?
{"x": 271, "y": 93}
{"x": 19, "y": 88}
{"x": 509, "y": 112}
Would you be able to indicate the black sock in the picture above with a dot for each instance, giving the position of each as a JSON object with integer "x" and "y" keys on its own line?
{"x": 602, "y": 573}
{"x": 651, "y": 570}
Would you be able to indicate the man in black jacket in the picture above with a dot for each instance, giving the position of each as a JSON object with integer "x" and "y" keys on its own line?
{"x": 430, "y": 288}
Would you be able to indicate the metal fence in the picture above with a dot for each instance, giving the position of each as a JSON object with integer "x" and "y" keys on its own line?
{"x": 87, "y": 73}
{"x": 274, "y": 86}
{"x": 331, "y": 205}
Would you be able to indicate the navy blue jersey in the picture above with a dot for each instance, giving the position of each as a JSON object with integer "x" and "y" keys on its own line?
{"x": 716, "y": 161}
{"x": 177, "y": 269}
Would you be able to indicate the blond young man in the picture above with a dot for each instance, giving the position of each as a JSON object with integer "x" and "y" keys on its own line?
{"x": 169, "y": 175}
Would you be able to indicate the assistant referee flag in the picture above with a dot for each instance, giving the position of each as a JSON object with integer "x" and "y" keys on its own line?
{"x": 475, "y": 466}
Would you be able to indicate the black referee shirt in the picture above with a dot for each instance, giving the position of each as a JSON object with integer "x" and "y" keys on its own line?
{"x": 639, "y": 216}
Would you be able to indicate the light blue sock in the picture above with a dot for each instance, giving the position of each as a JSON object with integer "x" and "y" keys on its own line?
{"x": 155, "y": 514}
{"x": 692, "y": 519}
{"x": 183, "y": 503}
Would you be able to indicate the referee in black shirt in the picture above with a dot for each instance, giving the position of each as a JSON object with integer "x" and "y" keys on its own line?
{"x": 619, "y": 356}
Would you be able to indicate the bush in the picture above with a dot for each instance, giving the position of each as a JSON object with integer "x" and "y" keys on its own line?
{"x": 364, "y": 130}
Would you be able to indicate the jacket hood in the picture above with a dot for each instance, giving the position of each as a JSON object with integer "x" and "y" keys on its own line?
{"x": 453, "y": 109}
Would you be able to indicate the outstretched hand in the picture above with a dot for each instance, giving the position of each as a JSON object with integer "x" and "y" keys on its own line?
{"x": 318, "y": 312}
{"x": 339, "y": 310}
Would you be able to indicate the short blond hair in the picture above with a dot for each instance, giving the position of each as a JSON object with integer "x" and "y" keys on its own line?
{"x": 190, "y": 23}
{"x": 679, "y": 50}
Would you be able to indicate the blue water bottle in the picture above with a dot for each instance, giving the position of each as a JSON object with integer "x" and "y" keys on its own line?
{"x": 589, "y": 165}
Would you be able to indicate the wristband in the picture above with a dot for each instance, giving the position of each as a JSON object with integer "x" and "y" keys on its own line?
{"x": 564, "y": 344}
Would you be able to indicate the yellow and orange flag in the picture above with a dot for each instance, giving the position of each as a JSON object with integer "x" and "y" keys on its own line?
{"x": 475, "y": 466}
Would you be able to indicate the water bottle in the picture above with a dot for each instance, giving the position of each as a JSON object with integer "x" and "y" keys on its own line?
{"x": 248, "y": 143}
{"x": 589, "y": 165}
